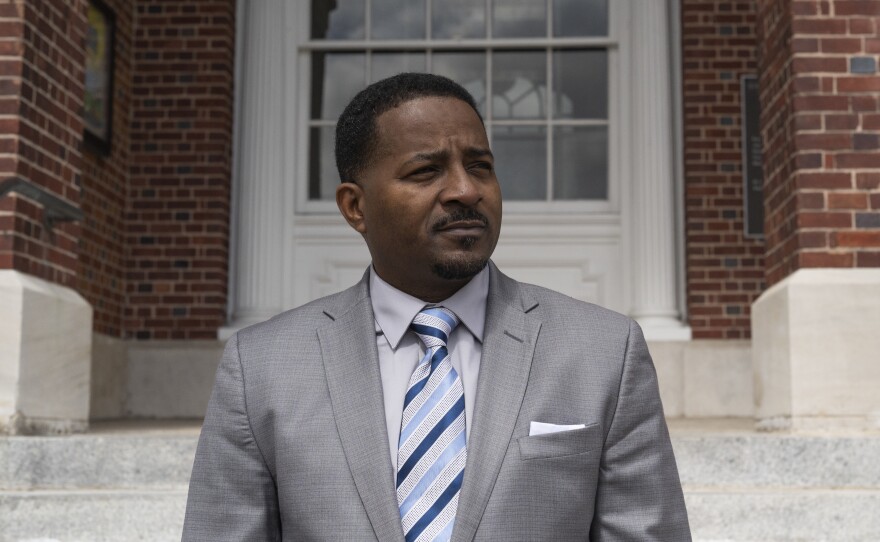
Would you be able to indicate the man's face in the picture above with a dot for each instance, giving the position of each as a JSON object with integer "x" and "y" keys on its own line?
{"x": 428, "y": 205}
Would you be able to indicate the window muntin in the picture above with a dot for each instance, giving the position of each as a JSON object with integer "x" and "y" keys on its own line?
{"x": 548, "y": 115}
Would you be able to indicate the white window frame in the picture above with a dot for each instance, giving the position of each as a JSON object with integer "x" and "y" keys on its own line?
{"x": 616, "y": 126}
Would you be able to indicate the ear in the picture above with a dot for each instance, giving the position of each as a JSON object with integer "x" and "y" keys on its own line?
{"x": 350, "y": 200}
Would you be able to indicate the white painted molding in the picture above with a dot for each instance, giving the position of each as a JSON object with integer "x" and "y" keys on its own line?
{"x": 259, "y": 180}
{"x": 653, "y": 188}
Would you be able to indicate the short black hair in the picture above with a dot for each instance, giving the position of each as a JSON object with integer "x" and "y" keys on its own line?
{"x": 356, "y": 130}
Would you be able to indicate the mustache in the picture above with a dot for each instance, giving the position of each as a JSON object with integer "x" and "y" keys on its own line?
{"x": 460, "y": 215}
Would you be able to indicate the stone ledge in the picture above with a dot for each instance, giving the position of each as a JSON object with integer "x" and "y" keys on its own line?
{"x": 152, "y": 379}
{"x": 705, "y": 378}
{"x": 45, "y": 356}
{"x": 815, "y": 344}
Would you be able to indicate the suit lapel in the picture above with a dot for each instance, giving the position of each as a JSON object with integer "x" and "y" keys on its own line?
{"x": 508, "y": 347}
{"x": 351, "y": 363}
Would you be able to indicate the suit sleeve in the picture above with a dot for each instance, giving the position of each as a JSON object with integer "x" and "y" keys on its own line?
{"x": 639, "y": 494}
{"x": 232, "y": 494}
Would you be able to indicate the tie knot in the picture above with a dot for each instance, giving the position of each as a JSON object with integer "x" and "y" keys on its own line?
{"x": 433, "y": 325}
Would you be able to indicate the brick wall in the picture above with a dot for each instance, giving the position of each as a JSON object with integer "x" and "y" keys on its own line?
{"x": 177, "y": 214}
{"x": 104, "y": 191}
{"x": 824, "y": 203}
{"x": 151, "y": 253}
{"x": 11, "y": 48}
{"x": 777, "y": 121}
{"x": 725, "y": 270}
{"x": 41, "y": 89}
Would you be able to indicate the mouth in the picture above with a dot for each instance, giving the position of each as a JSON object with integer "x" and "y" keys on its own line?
{"x": 462, "y": 223}
{"x": 463, "y": 227}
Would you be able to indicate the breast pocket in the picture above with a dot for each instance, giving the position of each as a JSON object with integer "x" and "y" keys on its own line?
{"x": 562, "y": 443}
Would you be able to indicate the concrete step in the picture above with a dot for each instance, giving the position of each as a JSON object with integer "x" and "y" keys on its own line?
{"x": 783, "y": 515}
{"x": 716, "y": 515}
{"x": 722, "y": 453}
{"x": 149, "y": 455}
{"x": 731, "y": 454}
{"x": 128, "y": 482}
{"x": 92, "y": 515}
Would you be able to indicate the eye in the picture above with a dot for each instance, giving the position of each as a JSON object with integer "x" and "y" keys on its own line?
{"x": 483, "y": 166}
{"x": 424, "y": 172}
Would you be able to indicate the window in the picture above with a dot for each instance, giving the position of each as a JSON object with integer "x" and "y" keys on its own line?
{"x": 539, "y": 71}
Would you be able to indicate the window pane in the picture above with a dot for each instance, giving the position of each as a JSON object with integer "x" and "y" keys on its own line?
{"x": 323, "y": 176}
{"x": 580, "y": 17}
{"x": 519, "y": 19}
{"x": 519, "y": 85}
{"x": 388, "y": 64}
{"x": 456, "y": 19}
{"x": 521, "y": 161}
{"x": 336, "y": 78}
{"x": 580, "y": 84}
{"x": 580, "y": 162}
{"x": 397, "y": 19}
{"x": 466, "y": 68}
{"x": 338, "y": 19}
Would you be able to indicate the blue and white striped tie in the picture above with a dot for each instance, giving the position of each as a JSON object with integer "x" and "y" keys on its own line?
{"x": 431, "y": 452}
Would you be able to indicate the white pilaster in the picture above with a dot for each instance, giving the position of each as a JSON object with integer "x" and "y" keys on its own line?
{"x": 258, "y": 180}
{"x": 653, "y": 187}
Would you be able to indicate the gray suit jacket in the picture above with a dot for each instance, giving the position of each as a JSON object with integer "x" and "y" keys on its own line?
{"x": 294, "y": 444}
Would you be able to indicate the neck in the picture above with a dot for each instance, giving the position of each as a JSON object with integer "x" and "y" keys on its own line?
{"x": 434, "y": 292}
{"x": 436, "y": 296}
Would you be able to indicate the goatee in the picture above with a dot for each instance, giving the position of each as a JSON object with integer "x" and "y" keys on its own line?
{"x": 459, "y": 268}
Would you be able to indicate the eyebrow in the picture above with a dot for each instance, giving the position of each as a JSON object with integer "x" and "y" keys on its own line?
{"x": 469, "y": 152}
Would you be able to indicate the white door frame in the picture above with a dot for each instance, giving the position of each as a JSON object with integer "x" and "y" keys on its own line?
{"x": 626, "y": 258}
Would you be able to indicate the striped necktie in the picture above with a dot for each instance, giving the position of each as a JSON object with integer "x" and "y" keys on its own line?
{"x": 431, "y": 452}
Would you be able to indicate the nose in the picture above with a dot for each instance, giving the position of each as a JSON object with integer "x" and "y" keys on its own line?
{"x": 461, "y": 187}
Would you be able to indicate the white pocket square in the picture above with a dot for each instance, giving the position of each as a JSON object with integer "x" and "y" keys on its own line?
{"x": 540, "y": 428}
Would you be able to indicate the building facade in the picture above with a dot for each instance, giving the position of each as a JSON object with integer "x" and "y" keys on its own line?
{"x": 639, "y": 144}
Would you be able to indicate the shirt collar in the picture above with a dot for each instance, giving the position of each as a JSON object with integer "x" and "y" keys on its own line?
{"x": 394, "y": 310}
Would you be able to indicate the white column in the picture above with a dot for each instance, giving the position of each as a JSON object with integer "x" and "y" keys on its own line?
{"x": 258, "y": 181}
{"x": 653, "y": 188}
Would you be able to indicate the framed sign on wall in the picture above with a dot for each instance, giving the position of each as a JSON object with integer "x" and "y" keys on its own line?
{"x": 752, "y": 159}
{"x": 98, "y": 100}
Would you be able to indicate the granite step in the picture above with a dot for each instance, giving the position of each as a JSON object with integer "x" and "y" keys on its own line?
{"x": 731, "y": 454}
{"x": 716, "y": 515}
{"x": 92, "y": 515}
{"x": 125, "y": 482}
{"x": 149, "y": 455}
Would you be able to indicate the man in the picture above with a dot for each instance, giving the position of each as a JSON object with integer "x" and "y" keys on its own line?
{"x": 510, "y": 412}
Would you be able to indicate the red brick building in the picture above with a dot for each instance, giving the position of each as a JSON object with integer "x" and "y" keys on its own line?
{"x": 619, "y": 131}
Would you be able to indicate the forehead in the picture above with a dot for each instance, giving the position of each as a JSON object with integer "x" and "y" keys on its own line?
{"x": 428, "y": 122}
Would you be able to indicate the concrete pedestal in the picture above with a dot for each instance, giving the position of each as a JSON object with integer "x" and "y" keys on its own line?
{"x": 45, "y": 356}
{"x": 816, "y": 350}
